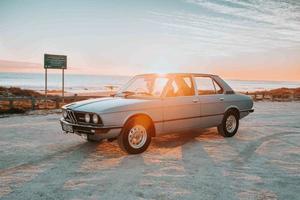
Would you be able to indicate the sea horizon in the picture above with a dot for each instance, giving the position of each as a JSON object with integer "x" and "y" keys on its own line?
{"x": 96, "y": 82}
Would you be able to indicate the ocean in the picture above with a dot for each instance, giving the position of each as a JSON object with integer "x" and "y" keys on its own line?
{"x": 93, "y": 83}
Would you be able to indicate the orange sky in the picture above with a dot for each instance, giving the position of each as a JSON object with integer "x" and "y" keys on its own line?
{"x": 249, "y": 40}
{"x": 228, "y": 70}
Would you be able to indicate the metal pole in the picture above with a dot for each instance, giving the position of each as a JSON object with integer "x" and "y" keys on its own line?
{"x": 46, "y": 104}
{"x": 63, "y": 86}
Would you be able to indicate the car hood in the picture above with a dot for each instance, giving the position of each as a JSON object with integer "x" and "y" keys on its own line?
{"x": 109, "y": 104}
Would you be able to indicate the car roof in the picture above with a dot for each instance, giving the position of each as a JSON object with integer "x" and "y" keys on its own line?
{"x": 219, "y": 80}
{"x": 176, "y": 74}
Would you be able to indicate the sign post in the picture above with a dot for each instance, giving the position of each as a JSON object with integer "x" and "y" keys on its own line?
{"x": 46, "y": 104}
{"x": 63, "y": 86}
{"x": 55, "y": 62}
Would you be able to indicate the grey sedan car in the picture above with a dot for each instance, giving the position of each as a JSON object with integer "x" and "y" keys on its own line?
{"x": 151, "y": 104}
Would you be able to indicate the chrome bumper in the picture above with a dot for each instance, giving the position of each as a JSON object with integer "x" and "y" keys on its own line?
{"x": 87, "y": 129}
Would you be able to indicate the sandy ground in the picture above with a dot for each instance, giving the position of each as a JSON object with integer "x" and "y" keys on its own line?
{"x": 261, "y": 162}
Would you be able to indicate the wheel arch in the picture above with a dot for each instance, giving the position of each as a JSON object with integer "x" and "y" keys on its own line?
{"x": 136, "y": 115}
{"x": 234, "y": 109}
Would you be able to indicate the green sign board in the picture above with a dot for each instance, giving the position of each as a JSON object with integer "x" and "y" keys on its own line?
{"x": 55, "y": 61}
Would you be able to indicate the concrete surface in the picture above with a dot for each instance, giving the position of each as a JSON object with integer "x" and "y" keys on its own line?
{"x": 261, "y": 162}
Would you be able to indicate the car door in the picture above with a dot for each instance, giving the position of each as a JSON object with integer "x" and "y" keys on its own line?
{"x": 211, "y": 96}
{"x": 180, "y": 105}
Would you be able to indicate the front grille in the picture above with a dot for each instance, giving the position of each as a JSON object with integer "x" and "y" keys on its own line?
{"x": 71, "y": 117}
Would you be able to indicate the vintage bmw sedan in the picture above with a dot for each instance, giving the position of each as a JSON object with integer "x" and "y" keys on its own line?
{"x": 150, "y": 105}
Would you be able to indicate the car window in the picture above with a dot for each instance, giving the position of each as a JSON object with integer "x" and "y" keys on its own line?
{"x": 219, "y": 90}
{"x": 145, "y": 86}
{"x": 159, "y": 85}
{"x": 188, "y": 81}
{"x": 207, "y": 86}
{"x": 180, "y": 86}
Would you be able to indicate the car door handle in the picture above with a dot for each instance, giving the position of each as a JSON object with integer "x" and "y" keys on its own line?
{"x": 221, "y": 99}
{"x": 195, "y": 100}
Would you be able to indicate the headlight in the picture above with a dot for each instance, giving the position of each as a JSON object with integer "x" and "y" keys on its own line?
{"x": 65, "y": 113}
{"x": 95, "y": 118}
{"x": 87, "y": 118}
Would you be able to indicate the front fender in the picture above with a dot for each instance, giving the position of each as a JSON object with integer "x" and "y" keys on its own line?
{"x": 120, "y": 118}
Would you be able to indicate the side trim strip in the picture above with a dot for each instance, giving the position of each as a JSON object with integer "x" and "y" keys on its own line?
{"x": 183, "y": 118}
{"x": 200, "y": 116}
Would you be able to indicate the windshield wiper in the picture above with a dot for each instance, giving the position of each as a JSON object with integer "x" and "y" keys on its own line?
{"x": 130, "y": 93}
{"x": 145, "y": 93}
{"x": 127, "y": 93}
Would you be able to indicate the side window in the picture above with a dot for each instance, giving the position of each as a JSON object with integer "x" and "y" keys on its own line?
{"x": 181, "y": 86}
{"x": 159, "y": 85}
{"x": 188, "y": 81}
{"x": 219, "y": 90}
{"x": 207, "y": 86}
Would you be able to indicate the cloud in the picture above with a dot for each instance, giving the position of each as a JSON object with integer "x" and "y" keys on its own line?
{"x": 15, "y": 66}
{"x": 224, "y": 28}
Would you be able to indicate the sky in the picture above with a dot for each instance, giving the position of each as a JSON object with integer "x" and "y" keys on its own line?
{"x": 247, "y": 40}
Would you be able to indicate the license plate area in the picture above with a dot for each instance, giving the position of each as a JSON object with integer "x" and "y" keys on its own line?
{"x": 67, "y": 128}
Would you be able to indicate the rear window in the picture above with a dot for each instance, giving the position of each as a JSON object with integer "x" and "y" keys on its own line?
{"x": 207, "y": 86}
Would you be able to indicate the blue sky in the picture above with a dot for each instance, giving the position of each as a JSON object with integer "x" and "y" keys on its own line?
{"x": 230, "y": 37}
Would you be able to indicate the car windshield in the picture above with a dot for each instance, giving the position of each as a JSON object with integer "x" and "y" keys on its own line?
{"x": 144, "y": 86}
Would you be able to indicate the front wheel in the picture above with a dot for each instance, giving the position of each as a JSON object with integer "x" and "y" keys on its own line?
{"x": 135, "y": 137}
{"x": 230, "y": 124}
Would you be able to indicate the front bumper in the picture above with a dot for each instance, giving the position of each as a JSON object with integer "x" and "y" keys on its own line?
{"x": 89, "y": 129}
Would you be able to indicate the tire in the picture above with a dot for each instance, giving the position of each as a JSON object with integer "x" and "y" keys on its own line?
{"x": 93, "y": 138}
{"x": 232, "y": 119}
{"x": 139, "y": 130}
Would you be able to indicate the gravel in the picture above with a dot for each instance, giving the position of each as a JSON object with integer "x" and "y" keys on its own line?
{"x": 262, "y": 161}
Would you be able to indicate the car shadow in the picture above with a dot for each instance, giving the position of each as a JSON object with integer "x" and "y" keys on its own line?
{"x": 109, "y": 150}
{"x": 179, "y": 139}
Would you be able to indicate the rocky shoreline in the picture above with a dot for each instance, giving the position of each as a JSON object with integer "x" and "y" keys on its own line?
{"x": 279, "y": 94}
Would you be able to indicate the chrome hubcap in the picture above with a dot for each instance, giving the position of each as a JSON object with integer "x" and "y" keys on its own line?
{"x": 137, "y": 136}
{"x": 230, "y": 123}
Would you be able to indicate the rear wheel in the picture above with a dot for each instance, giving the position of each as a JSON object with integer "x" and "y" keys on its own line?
{"x": 136, "y": 135}
{"x": 230, "y": 124}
